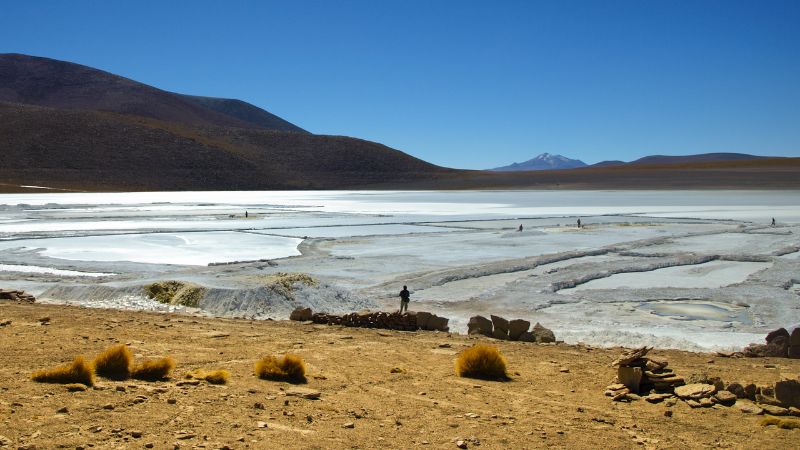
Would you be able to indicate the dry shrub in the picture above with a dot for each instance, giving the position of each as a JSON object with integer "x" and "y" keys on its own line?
{"x": 786, "y": 424}
{"x": 114, "y": 363}
{"x": 289, "y": 368}
{"x": 153, "y": 370}
{"x": 211, "y": 376}
{"x": 78, "y": 372}
{"x": 481, "y": 361}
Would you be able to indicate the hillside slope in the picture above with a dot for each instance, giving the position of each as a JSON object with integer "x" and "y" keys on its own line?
{"x": 90, "y": 150}
{"x": 60, "y": 84}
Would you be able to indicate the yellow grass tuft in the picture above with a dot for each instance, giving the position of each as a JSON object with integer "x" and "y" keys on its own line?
{"x": 78, "y": 372}
{"x": 289, "y": 368}
{"x": 114, "y": 363}
{"x": 153, "y": 370}
{"x": 481, "y": 361}
{"x": 211, "y": 376}
{"x": 786, "y": 424}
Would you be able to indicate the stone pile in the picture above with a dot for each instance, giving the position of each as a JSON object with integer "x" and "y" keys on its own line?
{"x": 16, "y": 295}
{"x": 513, "y": 330}
{"x": 780, "y": 343}
{"x": 410, "y": 321}
{"x": 637, "y": 373}
{"x": 639, "y": 376}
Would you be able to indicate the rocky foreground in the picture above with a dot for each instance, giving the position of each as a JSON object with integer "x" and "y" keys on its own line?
{"x": 367, "y": 388}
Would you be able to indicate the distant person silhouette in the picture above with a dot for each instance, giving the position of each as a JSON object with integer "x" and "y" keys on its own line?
{"x": 405, "y": 298}
{"x": 773, "y": 221}
{"x": 579, "y": 223}
{"x": 520, "y": 228}
{"x": 246, "y": 215}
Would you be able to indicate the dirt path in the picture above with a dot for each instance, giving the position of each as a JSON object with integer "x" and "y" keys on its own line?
{"x": 425, "y": 407}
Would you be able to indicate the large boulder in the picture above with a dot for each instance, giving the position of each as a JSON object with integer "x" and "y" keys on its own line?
{"x": 777, "y": 333}
{"x": 543, "y": 335}
{"x": 788, "y": 392}
{"x": 516, "y": 327}
{"x": 436, "y": 323}
{"x": 779, "y": 347}
{"x": 500, "y": 323}
{"x": 301, "y": 314}
{"x": 497, "y": 333}
{"x": 527, "y": 337}
{"x": 479, "y": 325}
{"x": 423, "y": 319}
{"x": 794, "y": 344}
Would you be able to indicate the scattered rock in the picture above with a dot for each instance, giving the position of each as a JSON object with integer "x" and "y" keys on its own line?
{"x": 349, "y": 425}
{"x": 695, "y": 391}
{"x": 301, "y": 314}
{"x": 479, "y": 325}
{"x": 725, "y": 398}
{"x": 750, "y": 391}
{"x": 543, "y": 335}
{"x": 657, "y": 398}
{"x": 668, "y": 413}
{"x": 461, "y": 443}
{"x": 76, "y": 387}
{"x": 516, "y": 327}
{"x": 736, "y": 389}
{"x": 309, "y": 394}
{"x": 261, "y": 424}
{"x": 749, "y": 408}
{"x": 563, "y": 370}
{"x": 136, "y": 434}
{"x": 63, "y": 410}
{"x": 774, "y": 410}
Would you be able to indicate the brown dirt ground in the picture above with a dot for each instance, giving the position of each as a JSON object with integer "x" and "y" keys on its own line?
{"x": 426, "y": 407}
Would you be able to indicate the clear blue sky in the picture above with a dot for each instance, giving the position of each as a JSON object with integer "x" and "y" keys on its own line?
{"x": 461, "y": 83}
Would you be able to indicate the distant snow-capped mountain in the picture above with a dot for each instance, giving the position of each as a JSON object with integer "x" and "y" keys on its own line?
{"x": 545, "y": 161}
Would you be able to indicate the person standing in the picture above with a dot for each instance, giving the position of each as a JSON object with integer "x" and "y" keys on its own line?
{"x": 405, "y": 298}
{"x": 579, "y": 223}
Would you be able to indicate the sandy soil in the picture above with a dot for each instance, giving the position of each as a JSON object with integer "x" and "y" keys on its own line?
{"x": 425, "y": 407}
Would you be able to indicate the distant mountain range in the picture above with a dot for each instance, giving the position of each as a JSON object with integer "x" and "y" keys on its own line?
{"x": 545, "y": 161}
{"x": 68, "y": 126}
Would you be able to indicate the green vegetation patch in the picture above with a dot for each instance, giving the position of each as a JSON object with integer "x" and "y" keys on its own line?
{"x": 175, "y": 293}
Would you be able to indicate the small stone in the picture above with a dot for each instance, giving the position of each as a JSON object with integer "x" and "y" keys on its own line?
{"x": 706, "y": 402}
{"x": 149, "y": 445}
{"x": 136, "y": 434}
{"x": 108, "y": 406}
{"x": 172, "y": 401}
{"x": 349, "y": 425}
{"x": 725, "y": 398}
{"x": 259, "y": 405}
{"x": 76, "y": 387}
{"x": 749, "y": 408}
{"x": 261, "y": 424}
{"x": 563, "y": 370}
{"x": 461, "y": 443}
{"x": 309, "y": 394}
{"x": 775, "y": 410}
{"x": 120, "y": 389}
{"x": 63, "y": 410}
{"x": 668, "y": 413}
{"x": 693, "y": 404}
{"x": 695, "y": 391}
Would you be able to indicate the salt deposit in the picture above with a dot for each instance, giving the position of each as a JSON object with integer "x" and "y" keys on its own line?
{"x": 692, "y": 270}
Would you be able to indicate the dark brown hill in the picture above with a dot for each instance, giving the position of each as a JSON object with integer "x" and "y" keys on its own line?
{"x": 91, "y": 150}
{"x": 60, "y": 84}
